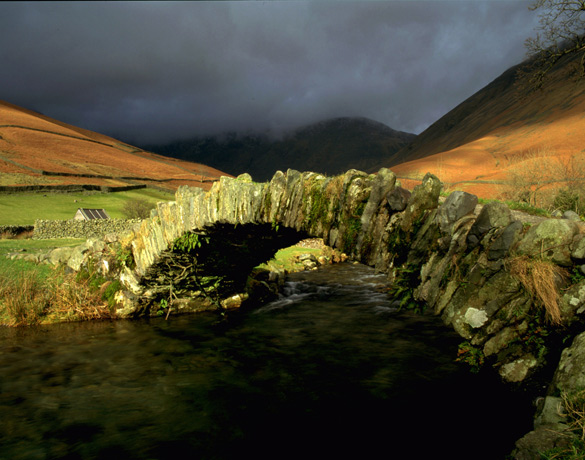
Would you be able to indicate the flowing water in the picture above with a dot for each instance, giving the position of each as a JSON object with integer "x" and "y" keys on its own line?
{"x": 330, "y": 370}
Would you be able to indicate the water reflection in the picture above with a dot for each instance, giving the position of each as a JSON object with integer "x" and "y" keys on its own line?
{"x": 330, "y": 369}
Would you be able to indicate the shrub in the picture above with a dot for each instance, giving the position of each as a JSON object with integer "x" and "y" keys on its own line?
{"x": 137, "y": 209}
{"x": 569, "y": 200}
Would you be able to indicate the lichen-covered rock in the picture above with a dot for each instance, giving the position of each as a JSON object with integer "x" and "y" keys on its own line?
{"x": 572, "y": 303}
{"x": 551, "y": 240}
{"x": 382, "y": 185}
{"x": 578, "y": 248}
{"x": 425, "y": 196}
{"x": 60, "y": 256}
{"x": 519, "y": 369}
{"x": 532, "y": 445}
{"x": 570, "y": 374}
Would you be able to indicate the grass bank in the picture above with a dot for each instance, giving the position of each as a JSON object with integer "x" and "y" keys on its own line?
{"x": 33, "y": 293}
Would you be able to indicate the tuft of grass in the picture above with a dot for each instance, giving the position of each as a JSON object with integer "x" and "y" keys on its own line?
{"x": 540, "y": 279}
{"x": 527, "y": 208}
{"x": 24, "y": 299}
{"x": 75, "y": 300}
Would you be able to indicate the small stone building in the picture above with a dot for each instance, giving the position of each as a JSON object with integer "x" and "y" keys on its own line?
{"x": 90, "y": 214}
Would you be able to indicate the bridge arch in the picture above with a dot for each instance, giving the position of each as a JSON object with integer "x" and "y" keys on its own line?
{"x": 203, "y": 237}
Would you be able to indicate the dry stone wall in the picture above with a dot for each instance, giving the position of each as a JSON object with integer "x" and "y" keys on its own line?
{"x": 45, "y": 229}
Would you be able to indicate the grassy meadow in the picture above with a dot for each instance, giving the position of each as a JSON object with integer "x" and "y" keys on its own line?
{"x": 25, "y": 208}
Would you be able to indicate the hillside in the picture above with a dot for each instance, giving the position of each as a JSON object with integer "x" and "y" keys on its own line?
{"x": 478, "y": 144}
{"x": 38, "y": 150}
{"x": 330, "y": 147}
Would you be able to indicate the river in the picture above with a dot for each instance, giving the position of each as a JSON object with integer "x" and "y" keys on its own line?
{"x": 329, "y": 370}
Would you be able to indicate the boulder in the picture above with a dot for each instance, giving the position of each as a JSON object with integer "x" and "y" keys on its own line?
{"x": 59, "y": 256}
{"x": 492, "y": 215}
{"x": 519, "y": 369}
{"x": 571, "y": 215}
{"x": 505, "y": 240}
{"x": 550, "y": 239}
{"x": 397, "y": 199}
{"x": 578, "y": 248}
{"x": 570, "y": 374}
{"x": 425, "y": 196}
{"x": 457, "y": 205}
{"x": 382, "y": 185}
{"x": 533, "y": 444}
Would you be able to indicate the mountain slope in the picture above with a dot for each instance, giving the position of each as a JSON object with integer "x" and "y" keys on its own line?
{"x": 330, "y": 147}
{"x": 38, "y": 150}
{"x": 474, "y": 146}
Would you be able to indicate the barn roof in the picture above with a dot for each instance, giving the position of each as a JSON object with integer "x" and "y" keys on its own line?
{"x": 91, "y": 214}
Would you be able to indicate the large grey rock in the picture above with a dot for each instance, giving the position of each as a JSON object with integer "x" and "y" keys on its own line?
{"x": 505, "y": 240}
{"x": 551, "y": 240}
{"x": 570, "y": 374}
{"x": 382, "y": 185}
{"x": 571, "y": 215}
{"x": 572, "y": 302}
{"x": 457, "y": 205}
{"x": 578, "y": 248}
{"x": 532, "y": 445}
{"x": 398, "y": 199}
{"x": 517, "y": 370}
{"x": 425, "y": 196}
{"x": 59, "y": 256}
{"x": 492, "y": 215}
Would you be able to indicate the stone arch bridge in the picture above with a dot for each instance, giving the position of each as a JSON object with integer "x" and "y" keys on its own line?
{"x": 459, "y": 260}
{"x": 205, "y": 244}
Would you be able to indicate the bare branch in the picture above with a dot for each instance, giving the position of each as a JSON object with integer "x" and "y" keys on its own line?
{"x": 561, "y": 33}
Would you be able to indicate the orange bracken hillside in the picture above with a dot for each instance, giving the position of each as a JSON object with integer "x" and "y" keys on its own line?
{"x": 38, "y": 150}
{"x": 475, "y": 146}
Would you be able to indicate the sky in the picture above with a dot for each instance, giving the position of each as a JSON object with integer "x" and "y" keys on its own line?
{"x": 154, "y": 72}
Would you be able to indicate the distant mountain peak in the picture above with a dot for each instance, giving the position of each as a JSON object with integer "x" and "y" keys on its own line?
{"x": 330, "y": 146}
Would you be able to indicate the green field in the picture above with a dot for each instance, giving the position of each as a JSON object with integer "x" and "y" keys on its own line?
{"x": 25, "y": 208}
{"x": 10, "y": 267}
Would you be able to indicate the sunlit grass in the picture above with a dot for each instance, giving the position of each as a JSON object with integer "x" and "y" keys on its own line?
{"x": 11, "y": 268}
{"x": 285, "y": 259}
{"x": 25, "y": 208}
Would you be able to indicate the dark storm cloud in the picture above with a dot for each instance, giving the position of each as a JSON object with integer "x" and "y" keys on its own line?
{"x": 155, "y": 71}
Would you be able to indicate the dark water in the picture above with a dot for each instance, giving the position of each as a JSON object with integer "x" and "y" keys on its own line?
{"x": 331, "y": 371}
